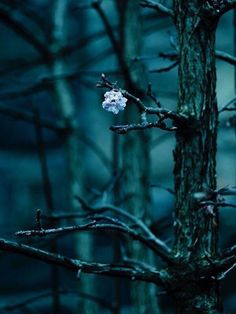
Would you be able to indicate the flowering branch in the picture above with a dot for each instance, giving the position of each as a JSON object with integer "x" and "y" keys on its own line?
{"x": 157, "y": 6}
{"x": 116, "y": 103}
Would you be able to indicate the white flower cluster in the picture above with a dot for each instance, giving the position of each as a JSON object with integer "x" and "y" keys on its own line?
{"x": 114, "y": 101}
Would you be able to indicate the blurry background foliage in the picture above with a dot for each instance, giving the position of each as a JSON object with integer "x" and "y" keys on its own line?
{"x": 26, "y": 86}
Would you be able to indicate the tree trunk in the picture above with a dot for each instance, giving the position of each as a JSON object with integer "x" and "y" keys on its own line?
{"x": 136, "y": 152}
{"x": 67, "y": 115}
{"x": 196, "y": 227}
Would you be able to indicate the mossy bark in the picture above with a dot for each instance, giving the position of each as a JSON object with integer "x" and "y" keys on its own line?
{"x": 196, "y": 228}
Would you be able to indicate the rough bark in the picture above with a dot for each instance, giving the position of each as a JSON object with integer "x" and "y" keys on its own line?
{"x": 135, "y": 150}
{"x": 196, "y": 229}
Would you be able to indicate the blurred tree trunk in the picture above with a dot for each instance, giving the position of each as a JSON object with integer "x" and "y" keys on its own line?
{"x": 67, "y": 115}
{"x": 234, "y": 40}
{"x": 196, "y": 229}
{"x": 135, "y": 150}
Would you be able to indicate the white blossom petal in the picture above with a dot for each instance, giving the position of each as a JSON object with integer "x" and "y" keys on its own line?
{"x": 114, "y": 101}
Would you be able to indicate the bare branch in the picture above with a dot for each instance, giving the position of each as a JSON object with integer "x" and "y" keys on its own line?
{"x": 227, "y": 107}
{"x": 84, "y": 6}
{"x": 150, "y": 240}
{"x": 218, "y": 267}
{"x": 157, "y": 6}
{"x": 229, "y": 251}
{"x": 169, "y": 190}
{"x": 123, "y": 129}
{"x": 110, "y": 224}
{"x": 216, "y": 8}
{"x": 38, "y": 219}
{"x": 137, "y": 263}
{"x": 11, "y": 21}
{"x": 218, "y": 204}
{"x": 129, "y": 216}
{"x": 227, "y": 5}
{"x": 153, "y": 96}
{"x": 27, "y": 10}
{"x": 115, "y": 44}
{"x": 79, "y": 294}
{"x": 29, "y": 117}
{"x": 56, "y": 127}
{"x": 165, "y": 69}
{"x": 64, "y": 215}
{"x": 223, "y": 275}
{"x": 115, "y": 270}
{"x": 221, "y": 55}
{"x": 224, "y": 56}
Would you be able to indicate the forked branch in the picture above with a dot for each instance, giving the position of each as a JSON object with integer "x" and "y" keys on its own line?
{"x": 105, "y": 223}
{"x": 116, "y": 270}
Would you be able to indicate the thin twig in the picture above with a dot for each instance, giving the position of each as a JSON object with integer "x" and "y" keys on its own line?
{"x": 157, "y": 6}
{"x": 221, "y": 266}
{"x": 27, "y": 11}
{"x": 165, "y": 69}
{"x": 94, "y": 225}
{"x": 56, "y": 127}
{"x": 223, "y": 275}
{"x": 218, "y": 204}
{"x": 224, "y": 56}
{"x": 153, "y": 96}
{"x": 227, "y": 252}
{"x": 47, "y": 188}
{"x": 226, "y": 6}
{"x": 115, "y": 44}
{"x": 92, "y": 209}
{"x": 221, "y": 55}
{"x": 169, "y": 190}
{"x": 226, "y": 107}
{"x": 125, "y": 128}
{"x": 10, "y": 20}
{"x": 38, "y": 219}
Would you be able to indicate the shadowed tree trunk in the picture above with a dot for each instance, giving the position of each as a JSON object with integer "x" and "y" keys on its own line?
{"x": 136, "y": 150}
{"x": 67, "y": 114}
{"x": 196, "y": 229}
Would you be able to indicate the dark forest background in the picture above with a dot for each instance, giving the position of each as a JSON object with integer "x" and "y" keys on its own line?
{"x": 33, "y": 159}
